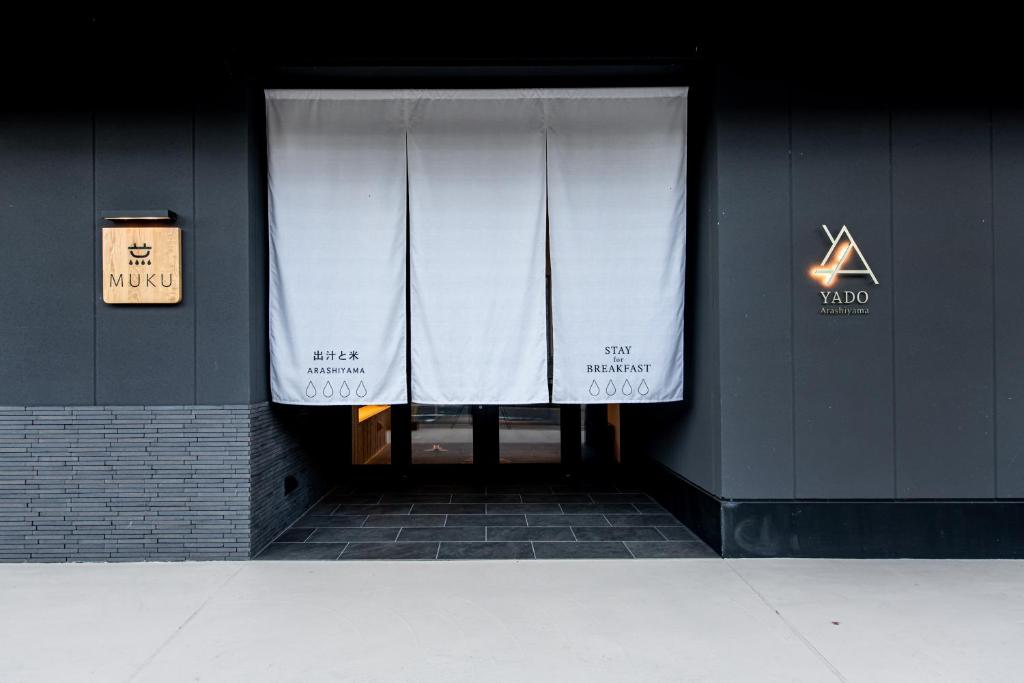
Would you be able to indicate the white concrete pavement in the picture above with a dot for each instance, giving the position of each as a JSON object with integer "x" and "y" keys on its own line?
{"x": 604, "y": 620}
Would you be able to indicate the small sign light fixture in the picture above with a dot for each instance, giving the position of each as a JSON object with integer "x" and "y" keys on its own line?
{"x": 139, "y": 215}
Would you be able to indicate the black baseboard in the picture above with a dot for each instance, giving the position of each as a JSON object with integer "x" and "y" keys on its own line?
{"x": 963, "y": 529}
{"x": 952, "y": 529}
{"x": 692, "y": 505}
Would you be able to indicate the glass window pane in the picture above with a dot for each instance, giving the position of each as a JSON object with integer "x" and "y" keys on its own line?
{"x": 442, "y": 434}
{"x": 529, "y": 434}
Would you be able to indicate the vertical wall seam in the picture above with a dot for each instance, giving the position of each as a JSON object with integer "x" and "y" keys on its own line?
{"x": 716, "y": 302}
{"x": 710, "y": 187}
{"x": 249, "y": 342}
{"x": 95, "y": 258}
{"x": 995, "y": 255}
{"x": 792, "y": 291}
{"x": 259, "y": 236}
{"x": 892, "y": 301}
{"x": 192, "y": 261}
{"x": 711, "y": 140}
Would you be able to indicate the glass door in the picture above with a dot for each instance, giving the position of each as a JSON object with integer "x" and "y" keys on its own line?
{"x": 441, "y": 434}
{"x": 529, "y": 434}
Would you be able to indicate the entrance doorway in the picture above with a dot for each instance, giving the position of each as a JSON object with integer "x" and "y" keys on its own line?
{"x": 484, "y": 435}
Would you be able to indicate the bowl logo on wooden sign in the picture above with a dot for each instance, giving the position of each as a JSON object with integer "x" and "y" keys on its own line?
{"x": 139, "y": 254}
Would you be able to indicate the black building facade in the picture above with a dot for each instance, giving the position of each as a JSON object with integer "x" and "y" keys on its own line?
{"x": 147, "y": 432}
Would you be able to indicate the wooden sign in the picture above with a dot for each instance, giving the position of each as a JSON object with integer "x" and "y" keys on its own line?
{"x": 142, "y": 265}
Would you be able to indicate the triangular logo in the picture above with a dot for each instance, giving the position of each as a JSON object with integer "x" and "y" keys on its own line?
{"x": 839, "y": 255}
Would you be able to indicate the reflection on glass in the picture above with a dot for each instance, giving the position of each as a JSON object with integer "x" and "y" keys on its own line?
{"x": 371, "y": 435}
{"x": 442, "y": 434}
{"x": 614, "y": 428}
{"x": 529, "y": 434}
{"x": 586, "y": 453}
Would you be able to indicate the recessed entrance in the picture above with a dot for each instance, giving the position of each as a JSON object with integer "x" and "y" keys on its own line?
{"x": 496, "y": 297}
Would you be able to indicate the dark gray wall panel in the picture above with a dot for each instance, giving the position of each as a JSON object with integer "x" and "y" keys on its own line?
{"x": 46, "y": 264}
{"x": 842, "y": 364}
{"x": 221, "y": 244}
{"x": 683, "y": 435}
{"x": 942, "y": 263}
{"x": 259, "y": 285}
{"x": 675, "y": 434}
{"x": 146, "y": 354}
{"x": 754, "y": 265}
{"x": 1008, "y": 195}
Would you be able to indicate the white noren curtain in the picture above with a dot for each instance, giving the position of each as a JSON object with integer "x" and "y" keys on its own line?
{"x": 477, "y": 250}
{"x": 617, "y": 198}
{"x": 337, "y": 185}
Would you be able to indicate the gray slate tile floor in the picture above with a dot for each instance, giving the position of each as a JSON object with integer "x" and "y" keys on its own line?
{"x": 557, "y": 519}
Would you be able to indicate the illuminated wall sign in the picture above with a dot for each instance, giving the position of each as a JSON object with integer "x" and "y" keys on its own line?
{"x": 843, "y": 259}
{"x": 142, "y": 265}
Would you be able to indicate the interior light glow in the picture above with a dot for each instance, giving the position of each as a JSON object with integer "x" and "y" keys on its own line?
{"x": 366, "y": 412}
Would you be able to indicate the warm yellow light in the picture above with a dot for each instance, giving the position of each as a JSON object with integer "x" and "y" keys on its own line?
{"x": 366, "y": 412}
{"x": 136, "y": 218}
{"x": 827, "y": 274}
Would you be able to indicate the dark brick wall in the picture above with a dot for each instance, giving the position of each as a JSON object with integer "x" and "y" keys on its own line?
{"x": 288, "y": 441}
{"x": 124, "y": 483}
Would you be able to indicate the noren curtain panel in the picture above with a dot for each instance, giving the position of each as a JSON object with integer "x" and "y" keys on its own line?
{"x": 617, "y": 184}
{"x": 483, "y": 188}
{"x": 336, "y": 177}
{"x": 477, "y": 257}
